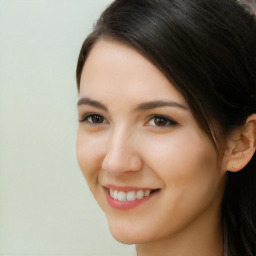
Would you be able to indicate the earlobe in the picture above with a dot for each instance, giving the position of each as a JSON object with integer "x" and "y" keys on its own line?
{"x": 241, "y": 146}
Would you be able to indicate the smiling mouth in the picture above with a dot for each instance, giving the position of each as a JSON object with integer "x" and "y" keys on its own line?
{"x": 130, "y": 195}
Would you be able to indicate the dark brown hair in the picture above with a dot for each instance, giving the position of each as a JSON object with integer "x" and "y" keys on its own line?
{"x": 207, "y": 49}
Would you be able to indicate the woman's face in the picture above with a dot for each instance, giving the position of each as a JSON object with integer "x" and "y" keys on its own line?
{"x": 138, "y": 141}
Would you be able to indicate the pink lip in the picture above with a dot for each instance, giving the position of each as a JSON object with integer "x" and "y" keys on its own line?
{"x": 127, "y": 204}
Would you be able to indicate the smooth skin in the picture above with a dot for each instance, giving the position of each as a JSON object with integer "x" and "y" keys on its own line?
{"x": 137, "y": 130}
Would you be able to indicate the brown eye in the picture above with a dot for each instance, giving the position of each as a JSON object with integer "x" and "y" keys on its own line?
{"x": 95, "y": 119}
{"x": 160, "y": 121}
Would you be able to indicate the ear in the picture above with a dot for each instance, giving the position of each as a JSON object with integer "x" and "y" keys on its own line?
{"x": 240, "y": 146}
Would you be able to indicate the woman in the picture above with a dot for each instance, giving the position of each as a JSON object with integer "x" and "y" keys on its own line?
{"x": 167, "y": 129}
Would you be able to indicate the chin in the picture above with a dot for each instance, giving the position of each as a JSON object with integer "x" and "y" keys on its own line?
{"x": 124, "y": 239}
{"x": 126, "y": 233}
{"x": 121, "y": 234}
{"x": 128, "y": 239}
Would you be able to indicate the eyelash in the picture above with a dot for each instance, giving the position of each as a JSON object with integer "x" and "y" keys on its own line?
{"x": 168, "y": 121}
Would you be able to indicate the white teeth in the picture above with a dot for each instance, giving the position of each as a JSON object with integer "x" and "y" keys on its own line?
{"x": 139, "y": 194}
{"x": 128, "y": 196}
{"x": 111, "y": 192}
{"x": 115, "y": 194}
{"x": 147, "y": 193}
{"x": 121, "y": 196}
{"x": 131, "y": 196}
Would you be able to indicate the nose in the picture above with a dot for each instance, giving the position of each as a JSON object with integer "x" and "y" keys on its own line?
{"x": 122, "y": 155}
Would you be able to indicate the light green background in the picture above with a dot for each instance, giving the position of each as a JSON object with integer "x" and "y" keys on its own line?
{"x": 45, "y": 205}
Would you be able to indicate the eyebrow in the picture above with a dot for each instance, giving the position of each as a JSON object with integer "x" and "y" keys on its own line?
{"x": 93, "y": 103}
{"x": 157, "y": 104}
{"x": 141, "y": 107}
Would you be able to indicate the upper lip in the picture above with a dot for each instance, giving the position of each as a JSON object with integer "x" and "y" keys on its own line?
{"x": 127, "y": 188}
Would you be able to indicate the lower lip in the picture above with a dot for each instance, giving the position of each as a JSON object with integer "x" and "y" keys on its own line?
{"x": 127, "y": 204}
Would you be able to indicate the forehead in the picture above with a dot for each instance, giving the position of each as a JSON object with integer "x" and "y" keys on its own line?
{"x": 113, "y": 68}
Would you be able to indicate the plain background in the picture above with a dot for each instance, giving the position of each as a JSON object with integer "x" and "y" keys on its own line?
{"x": 45, "y": 205}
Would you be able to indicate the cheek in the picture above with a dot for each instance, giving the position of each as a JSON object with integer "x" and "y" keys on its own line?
{"x": 89, "y": 151}
{"x": 184, "y": 160}
{"x": 187, "y": 165}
